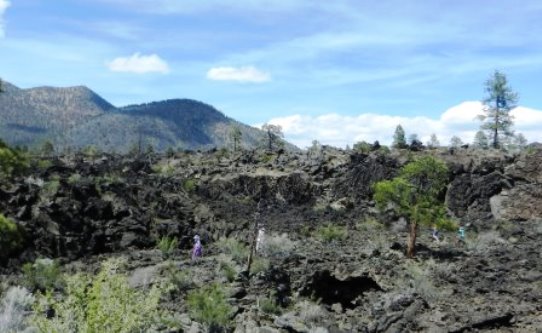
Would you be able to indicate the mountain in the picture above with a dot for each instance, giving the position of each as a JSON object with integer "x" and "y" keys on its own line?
{"x": 77, "y": 117}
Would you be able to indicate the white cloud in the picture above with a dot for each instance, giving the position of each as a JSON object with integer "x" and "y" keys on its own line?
{"x": 338, "y": 130}
{"x": 139, "y": 64}
{"x": 4, "y": 4}
{"x": 239, "y": 74}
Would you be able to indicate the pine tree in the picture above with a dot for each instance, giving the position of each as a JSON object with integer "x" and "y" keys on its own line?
{"x": 497, "y": 120}
{"x": 399, "y": 140}
{"x": 433, "y": 141}
{"x": 416, "y": 195}
{"x": 521, "y": 142}
{"x": 480, "y": 140}
{"x": 235, "y": 135}
{"x": 456, "y": 142}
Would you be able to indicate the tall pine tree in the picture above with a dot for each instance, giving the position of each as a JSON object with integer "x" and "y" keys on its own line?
{"x": 399, "y": 140}
{"x": 500, "y": 99}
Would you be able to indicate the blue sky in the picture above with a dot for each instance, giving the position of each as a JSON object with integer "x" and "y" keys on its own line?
{"x": 299, "y": 63}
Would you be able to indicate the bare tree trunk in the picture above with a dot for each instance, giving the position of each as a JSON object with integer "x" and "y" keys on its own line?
{"x": 411, "y": 249}
{"x": 254, "y": 239}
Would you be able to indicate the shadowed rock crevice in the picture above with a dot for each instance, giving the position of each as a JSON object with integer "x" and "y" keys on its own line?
{"x": 330, "y": 290}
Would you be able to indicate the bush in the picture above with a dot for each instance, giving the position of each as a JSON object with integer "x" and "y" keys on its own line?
{"x": 189, "y": 185}
{"x": 259, "y": 265}
{"x": 310, "y": 313}
{"x": 237, "y": 250}
{"x": 208, "y": 305}
{"x": 331, "y": 233}
{"x": 179, "y": 280}
{"x": 43, "y": 274}
{"x": 14, "y": 305}
{"x": 277, "y": 246}
{"x": 12, "y": 161}
{"x": 269, "y": 306}
{"x": 370, "y": 224}
{"x": 228, "y": 269}
{"x": 104, "y": 303}
{"x": 11, "y": 238}
{"x": 168, "y": 245}
{"x": 50, "y": 188}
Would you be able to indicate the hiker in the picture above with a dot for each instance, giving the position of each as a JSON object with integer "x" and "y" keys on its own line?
{"x": 198, "y": 249}
{"x": 461, "y": 234}
{"x": 435, "y": 233}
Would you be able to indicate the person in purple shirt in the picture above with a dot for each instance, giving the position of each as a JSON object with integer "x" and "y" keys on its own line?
{"x": 197, "y": 251}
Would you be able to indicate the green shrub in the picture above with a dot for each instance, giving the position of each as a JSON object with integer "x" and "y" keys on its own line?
{"x": 370, "y": 224}
{"x": 363, "y": 147}
{"x": 237, "y": 250}
{"x": 209, "y": 306}
{"x": 104, "y": 303}
{"x": 168, "y": 245}
{"x": 331, "y": 233}
{"x": 228, "y": 269}
{"x": 259, "y": 264}
{"x": 189, "y": 185}
{"x": 43, "y": 274}
{"x": 269, "y": 306}
{"x": 277, "y": 246}
{"x": 179, "y": 280}
{"x": 74, "y": 178}
{"x": 11, "y": 238}
{"x": 44, "y": 164}
{"x": 12, "y": 161}
{"x": 50, "y": 188}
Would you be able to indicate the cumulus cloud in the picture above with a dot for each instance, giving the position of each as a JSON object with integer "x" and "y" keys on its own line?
{"x": 247, "y": 74}
{"x": 4, "y": 4}
{"x": 139, "y": 64}
{"x": 339, "y": 130}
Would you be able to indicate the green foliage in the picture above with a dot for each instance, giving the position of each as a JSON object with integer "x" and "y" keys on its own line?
{"x": 433, "y": 142}
{"x": 237, "y": 250}
{"x": 266, "y": 158}
{"x": 416, "y": 195}
{"x": 208, "y": 305}
{"x": 416, "y": 192}
{"x": 269, "y": 306}
{"x": 178, "y": 279}
{"x": 480, "y": 140}
{"x": 259, "y": 265}
{"x": 44, "y": 164}
{"x": 74, "y": 178}
{"x": 331, "y": 233}
{"x": 50, "y": 188}
{"x": 43, "y": 274}
{"x": 399, "y": 140}
{"x": 12, "y": 161}
{"x": 47, "y": 148}
{"x": 363, "y": 147}
{"x": 104, "y": 303}
{"x": 370, "y": 224}
{"x": 228, "y": 269}
{"x": 189, "y": 185}
{"x": 11, "y": 237}
{"x": 273, "y": 136}
{"x": 90, "y": 151}
{"x": 456, "y": 142}
{"x": 168, "y": 245}
{"x": 500, "y": 100}
{"x": 235, "y": 137}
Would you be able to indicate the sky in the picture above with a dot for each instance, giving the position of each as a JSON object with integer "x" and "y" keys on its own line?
{"x": 335, "y": 71}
